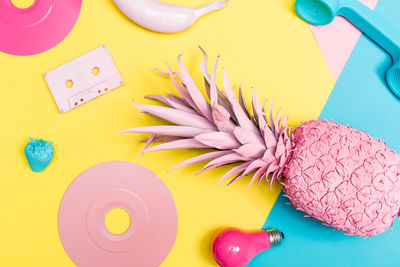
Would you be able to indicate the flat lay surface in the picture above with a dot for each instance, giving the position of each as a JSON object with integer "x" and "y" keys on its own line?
{"x": 263, "y": 44}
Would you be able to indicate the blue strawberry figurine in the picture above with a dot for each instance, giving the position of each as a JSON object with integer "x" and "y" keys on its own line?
{"x": 39, "y": 154}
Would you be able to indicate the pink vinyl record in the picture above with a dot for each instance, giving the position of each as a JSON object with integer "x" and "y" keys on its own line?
{"x": 110, "y": 185}
{"x": 32, "y": 30}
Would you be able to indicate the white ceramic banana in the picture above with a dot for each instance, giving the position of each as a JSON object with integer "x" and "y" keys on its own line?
{"x": 163, "y": 17}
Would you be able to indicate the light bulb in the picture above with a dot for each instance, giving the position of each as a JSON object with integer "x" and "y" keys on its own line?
{"x": 235, "y": 248}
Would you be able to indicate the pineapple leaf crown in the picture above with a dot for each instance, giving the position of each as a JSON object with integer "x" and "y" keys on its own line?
{"x": 224, "y": 123}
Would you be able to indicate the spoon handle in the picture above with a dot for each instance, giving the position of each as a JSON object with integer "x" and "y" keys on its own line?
{"x": 372, "y": 25}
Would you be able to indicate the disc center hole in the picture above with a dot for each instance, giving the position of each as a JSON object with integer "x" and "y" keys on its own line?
{"x": 22, "y": 4}
{"x": 117, "y": 221}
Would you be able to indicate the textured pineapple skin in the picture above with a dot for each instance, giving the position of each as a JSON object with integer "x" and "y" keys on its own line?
{"x": 344, "y": 178}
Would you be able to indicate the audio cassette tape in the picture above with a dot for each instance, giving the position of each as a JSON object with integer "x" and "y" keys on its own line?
{"x": 83, "y": 79}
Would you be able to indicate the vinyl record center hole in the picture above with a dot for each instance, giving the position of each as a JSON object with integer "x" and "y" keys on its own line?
{"x": 22, "y": 4}
{"x": 117, "y": 221}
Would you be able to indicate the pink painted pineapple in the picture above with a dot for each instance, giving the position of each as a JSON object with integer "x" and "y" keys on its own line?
{"x": 336, "y": 174}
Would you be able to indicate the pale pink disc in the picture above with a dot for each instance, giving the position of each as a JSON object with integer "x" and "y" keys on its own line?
{"x": 37, "y": 28}
{"x": 118, "y": 184}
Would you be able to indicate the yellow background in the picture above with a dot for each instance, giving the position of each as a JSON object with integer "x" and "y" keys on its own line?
{"x": 262, "y": 44}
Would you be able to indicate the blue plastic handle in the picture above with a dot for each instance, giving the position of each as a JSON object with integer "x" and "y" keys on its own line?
{"x": 322, "y": 12}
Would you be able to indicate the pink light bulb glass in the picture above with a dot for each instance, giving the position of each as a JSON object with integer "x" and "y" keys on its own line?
{"x": 235, "y": 248}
